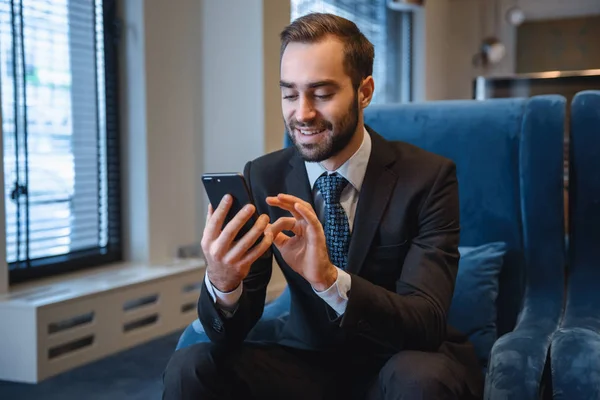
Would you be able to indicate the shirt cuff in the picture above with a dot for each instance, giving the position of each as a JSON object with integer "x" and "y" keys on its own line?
{"x": 227, "y": 302}
{"x": 337, "y": 294}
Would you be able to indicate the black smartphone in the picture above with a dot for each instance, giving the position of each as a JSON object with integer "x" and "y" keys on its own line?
{"x": 217, "y": 185}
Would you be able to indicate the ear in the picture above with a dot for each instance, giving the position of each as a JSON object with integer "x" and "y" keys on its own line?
{"x": 365, "y": 91}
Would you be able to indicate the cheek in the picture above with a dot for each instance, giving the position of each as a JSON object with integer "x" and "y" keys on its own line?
{"x": 337, "y": 111}
{"x": 287, "y": 110}
{"x": 333, "y": 114}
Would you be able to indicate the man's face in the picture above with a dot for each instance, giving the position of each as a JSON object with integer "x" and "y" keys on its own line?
{"x": 320, "y": 106}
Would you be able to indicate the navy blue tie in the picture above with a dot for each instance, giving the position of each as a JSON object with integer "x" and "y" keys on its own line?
{"x": 337, "y": 228}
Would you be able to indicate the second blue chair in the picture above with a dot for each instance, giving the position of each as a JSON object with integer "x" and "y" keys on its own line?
{"x": 575, "y": 350}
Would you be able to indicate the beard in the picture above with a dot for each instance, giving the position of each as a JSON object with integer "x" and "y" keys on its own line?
{"x": 339, "y": 134}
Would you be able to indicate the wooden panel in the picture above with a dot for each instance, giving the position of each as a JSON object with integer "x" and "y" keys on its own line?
{"x": 559, "y": 45}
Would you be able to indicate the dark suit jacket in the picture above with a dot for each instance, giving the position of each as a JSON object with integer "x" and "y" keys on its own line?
{"x": 403, "y": 260}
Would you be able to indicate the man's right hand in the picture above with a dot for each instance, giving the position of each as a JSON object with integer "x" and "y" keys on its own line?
{"x": 229, "y": 262}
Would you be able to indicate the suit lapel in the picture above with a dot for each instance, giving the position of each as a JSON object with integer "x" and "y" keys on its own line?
{"x": 297, "y": 180}
{"x": 373, "y": 199}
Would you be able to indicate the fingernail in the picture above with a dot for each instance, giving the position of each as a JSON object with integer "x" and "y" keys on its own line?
{"x": 227, "y": 198}
{"x": 248, "y": 207}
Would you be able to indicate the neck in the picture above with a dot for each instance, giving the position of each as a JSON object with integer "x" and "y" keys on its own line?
{"x": 333, "y": 163}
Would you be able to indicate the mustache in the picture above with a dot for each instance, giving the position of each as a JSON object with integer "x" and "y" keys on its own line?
{"x": 318, "y": 125}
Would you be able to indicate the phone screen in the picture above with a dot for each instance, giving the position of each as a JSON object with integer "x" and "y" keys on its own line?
{"x": 217, "y": 185}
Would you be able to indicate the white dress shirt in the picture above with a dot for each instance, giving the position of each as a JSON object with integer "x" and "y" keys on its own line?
{"x": 354, "y": 171}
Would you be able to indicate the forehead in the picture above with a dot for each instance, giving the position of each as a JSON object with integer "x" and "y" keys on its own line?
{"x": 303, "y": 63}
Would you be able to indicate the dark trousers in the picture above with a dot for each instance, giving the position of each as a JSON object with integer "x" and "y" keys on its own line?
{"x": 259, "y": 371}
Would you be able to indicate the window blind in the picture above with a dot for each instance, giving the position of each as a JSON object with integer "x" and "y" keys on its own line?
{"x": 59, "y": 130}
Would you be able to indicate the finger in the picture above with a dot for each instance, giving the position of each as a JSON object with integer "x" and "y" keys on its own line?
{"x": 217, "y": 217}
{"x": 280, "y": 240}
{"x": 282, "y": 224}
{"x": 309, "y": 215}
{"x": 285, "y": 199}
{"x": 275, "y": 202}
{"x": 249, "y": 239}
{"x": 209, "y": 212}
{"x": 258, "y": 250}
{"x": 288, "y": 198}
{"x": 289, "y": 201}
{"x": 235, "y": 225}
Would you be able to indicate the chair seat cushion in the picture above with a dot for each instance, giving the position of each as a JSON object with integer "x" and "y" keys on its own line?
{"x": 266, "y": 329}
{"x": 576, "y": 363}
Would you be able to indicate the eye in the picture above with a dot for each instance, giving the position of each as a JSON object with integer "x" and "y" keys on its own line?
{"x": 324, "y": 96}
{"x": 290, "y": 97}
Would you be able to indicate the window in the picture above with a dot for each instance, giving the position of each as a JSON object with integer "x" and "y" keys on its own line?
{"x": 390, "y": 32}
{"x": 59, "y": 130}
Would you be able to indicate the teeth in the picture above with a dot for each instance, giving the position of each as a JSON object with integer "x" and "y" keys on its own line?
{"x": 309, "y": 133}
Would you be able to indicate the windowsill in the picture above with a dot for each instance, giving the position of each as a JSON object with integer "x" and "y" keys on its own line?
{"x": 89, "y": 282}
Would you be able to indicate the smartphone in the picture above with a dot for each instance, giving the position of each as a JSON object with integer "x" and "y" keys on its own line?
{"x": 217, "y": 185}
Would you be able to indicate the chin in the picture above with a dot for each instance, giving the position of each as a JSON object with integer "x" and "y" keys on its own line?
{"x": 311, "y": 155}
{"x": 316, "y": 154}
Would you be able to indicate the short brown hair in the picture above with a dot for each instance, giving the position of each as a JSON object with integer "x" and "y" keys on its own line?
{"x": 312, "y": 28}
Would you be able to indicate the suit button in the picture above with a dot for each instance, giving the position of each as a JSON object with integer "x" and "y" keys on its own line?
{"x": 217, "y": 325}
{"x": 363, "y": 325}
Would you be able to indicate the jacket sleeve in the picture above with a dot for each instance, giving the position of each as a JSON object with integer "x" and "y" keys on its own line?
{"x": 233, "y": 330}
{"x": 415, "y": 315}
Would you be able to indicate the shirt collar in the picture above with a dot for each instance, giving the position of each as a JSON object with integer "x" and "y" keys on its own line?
{"x": 353, "y": 169}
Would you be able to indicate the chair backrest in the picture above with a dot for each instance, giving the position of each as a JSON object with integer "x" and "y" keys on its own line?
{"x": 509, "y": 157}
{"x": 584, "y": 201}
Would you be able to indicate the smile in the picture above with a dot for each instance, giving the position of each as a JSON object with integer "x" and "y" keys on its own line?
{"x": 308, "y": 132}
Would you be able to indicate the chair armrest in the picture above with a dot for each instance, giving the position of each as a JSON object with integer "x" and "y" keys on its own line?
{"x": 517, "y": 359}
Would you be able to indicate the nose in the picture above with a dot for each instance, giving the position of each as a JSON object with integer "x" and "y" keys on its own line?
{"x": 305, "y": 111}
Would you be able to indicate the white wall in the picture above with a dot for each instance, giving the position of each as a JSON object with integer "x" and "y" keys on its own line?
{"x": 200, "y": 93}
{"x": 232, "y": 84}
{"x": 276, "y": 16}
{"x": 172, "y": 83}
{"x": 160, "y": 83}
{"x": 134, "y": 160}
{"x": 3, "y": 263}
{"x": 240, "y": 106}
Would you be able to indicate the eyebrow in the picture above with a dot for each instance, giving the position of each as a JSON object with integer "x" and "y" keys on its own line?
{"x": 312, "y": 85}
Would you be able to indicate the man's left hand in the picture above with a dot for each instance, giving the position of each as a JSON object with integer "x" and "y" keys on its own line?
{"x": 306, "y": 252}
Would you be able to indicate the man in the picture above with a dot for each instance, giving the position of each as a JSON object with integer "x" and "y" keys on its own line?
{"x": 366, "y": 233}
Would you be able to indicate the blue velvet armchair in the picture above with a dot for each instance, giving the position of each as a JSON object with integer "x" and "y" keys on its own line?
{"x": 575, "y": 350}
{"x": 509, "y": 161}
{"x": 518, "y": 358}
